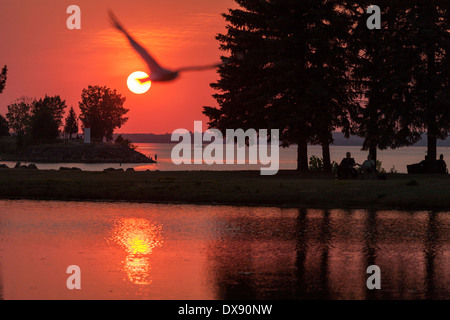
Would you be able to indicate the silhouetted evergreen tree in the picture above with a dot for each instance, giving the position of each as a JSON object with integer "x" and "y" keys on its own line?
{"x": 383, "y": 78}
{"x": 292, "y": 62}
{"x": 4, "y": 127}
{"x": 287, "y": 71}
{"x": 3, "y": 75}
{"x": 243, "y": 88}
{"x": 71, "y": 126}
{"x": 430, "y": 37}
{"x": 402, "y": 74}
{"x": 329, "y": 86}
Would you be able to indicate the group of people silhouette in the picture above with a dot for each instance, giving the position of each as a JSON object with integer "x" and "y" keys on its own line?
{"x": 429, "y": 166}
{"x": 156, "y": 158}
{"x": 347, "y": 168}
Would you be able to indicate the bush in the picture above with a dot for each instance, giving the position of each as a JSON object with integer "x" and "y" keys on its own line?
{"x": 379, "y": 167}
{"x": 125, "y": 142}
{"x": 315, "y": 164}
{"x": 393, "y": 170}
{"x": 334, "y": 167}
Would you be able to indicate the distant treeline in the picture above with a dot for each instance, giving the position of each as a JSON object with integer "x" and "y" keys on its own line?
{"x": 339, "y": 139}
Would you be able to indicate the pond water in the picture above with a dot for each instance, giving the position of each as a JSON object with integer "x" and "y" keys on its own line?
{"x": 160, "y": 251}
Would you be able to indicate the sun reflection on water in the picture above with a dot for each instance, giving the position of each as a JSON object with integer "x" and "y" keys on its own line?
{"x": 138, "y": 237}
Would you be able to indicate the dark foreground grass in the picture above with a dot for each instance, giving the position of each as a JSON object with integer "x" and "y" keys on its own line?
{"x": 287, "y": 188}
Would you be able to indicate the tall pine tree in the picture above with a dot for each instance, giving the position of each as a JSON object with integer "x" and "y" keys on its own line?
{"x": 3, "y": 75}
{"x": 382, "y": 78}
{"x": 243, "y": 88}
{"x": 287, "y": 71}
{"x": 430, "y": 39}
{"x": 329, "y": 83}
{"x": 71, "y": 125}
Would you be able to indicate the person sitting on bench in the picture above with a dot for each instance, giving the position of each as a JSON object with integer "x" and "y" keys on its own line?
{"x": 346, "y": 167}
{"x": 441, "y": 165}
{"x": 368, "y": 167}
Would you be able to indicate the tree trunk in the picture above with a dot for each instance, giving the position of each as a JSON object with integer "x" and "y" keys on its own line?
{"x": 302, "y": 154}
{"x": 431, "y": 125}
{"x": 326, "y": 157}
{"x": 431, "y": 143}
{"x": 373, "y": 152}
{"x": 430, "y": 11}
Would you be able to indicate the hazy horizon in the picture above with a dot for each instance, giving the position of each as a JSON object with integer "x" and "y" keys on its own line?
{"x": 340, "y": 140}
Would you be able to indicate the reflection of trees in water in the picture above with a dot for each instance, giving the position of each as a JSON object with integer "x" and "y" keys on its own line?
{"x": 301, "y": 250}
{"x": 315, "y": 284}
{"x": 431, "y": 246}
{"x": 253, "y": 257}
{"x": 265, "y": 258}
{"x": 371, "y": 237}
{"x": 233, "y": 274}
{"x": 323, "y": 254}
{"x": 325, "y": 241}
{"x": 1, "y": 274}
{"x": 395, "y": 280}
{"x": 370, "y": 249}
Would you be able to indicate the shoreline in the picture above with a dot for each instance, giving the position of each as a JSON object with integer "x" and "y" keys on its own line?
{"x": 288, "y": 189}
{"x": 174, "y": 203}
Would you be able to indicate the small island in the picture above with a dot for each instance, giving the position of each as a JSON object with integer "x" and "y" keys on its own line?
{"x": 78, "y": 153}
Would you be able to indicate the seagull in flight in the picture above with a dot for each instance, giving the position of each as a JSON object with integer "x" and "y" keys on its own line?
{"x": 157, "y": 72}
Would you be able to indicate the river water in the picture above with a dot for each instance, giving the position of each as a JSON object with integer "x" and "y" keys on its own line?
{"x": 161, "y": 251}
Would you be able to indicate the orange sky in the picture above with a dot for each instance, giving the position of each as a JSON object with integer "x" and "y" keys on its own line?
{"x": 44, "y": 57}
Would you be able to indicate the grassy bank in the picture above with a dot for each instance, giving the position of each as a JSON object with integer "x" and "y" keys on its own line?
{"x": 416, "y": 192}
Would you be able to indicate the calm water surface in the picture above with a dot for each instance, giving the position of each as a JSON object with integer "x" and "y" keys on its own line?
{"x": 396, "y": 159}
{"x": 391, "y": 159}
{"x": 151, "y": 251}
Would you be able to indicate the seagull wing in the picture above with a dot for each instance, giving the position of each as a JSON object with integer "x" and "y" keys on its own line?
{"x": 200, "y": 68}
{"x": 152, "y": 64}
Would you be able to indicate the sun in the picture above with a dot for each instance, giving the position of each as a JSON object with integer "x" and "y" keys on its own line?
{"x": 135, "y": 86}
